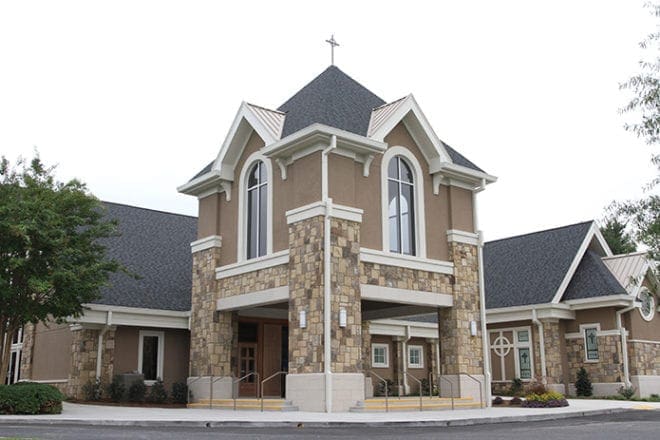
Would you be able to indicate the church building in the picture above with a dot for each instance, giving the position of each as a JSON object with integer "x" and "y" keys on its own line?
{"x": 336, "y": 209}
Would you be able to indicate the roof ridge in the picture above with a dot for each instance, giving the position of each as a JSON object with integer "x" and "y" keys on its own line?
{"x": 148, "y": 209}
{"x": 629, "y": 254}
{"x": 265, "y": 108}
{"x": 541, "y": 231}
{"x": 388, "y": 103}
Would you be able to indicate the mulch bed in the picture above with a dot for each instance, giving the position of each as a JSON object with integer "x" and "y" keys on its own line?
{"x": 136, "y": 404}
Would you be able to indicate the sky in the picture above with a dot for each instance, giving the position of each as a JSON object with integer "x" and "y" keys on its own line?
{"x": 135, "y": 97}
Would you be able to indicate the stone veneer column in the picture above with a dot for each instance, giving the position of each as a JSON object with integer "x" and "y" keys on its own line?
{"x": 460, "y": 352}
{"x": 306, "y": 380}
{"x": 27, "y": 351}
{"x": 84, "y": 353}
{"x": 211, "y": 332}
{"x": 554, "y": 362}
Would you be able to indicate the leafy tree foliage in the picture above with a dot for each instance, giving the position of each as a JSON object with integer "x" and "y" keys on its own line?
{"x": 51, "y": 260}
{"x": 616, "y": 236}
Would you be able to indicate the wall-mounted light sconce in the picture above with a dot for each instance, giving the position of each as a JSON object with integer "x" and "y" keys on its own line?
{"x": 342, "y": 317}
{"x": 473, "y": 328}
{"x": 303, "y": 319}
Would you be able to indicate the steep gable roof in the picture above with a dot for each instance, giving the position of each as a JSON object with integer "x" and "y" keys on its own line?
{"x": 529, "y": 269}
{"x": 629, "y": 269}
{"x": 155, "y": 245}
{"x": 332, "y": 98}
{"x": 592, "y": 279}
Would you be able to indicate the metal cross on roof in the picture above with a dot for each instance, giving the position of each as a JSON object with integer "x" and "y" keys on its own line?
{"x": 332, "y": 44}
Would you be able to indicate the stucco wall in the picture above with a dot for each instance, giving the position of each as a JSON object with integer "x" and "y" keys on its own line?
{"x": 52, "y": 352}
{"x": 605, "y": 316}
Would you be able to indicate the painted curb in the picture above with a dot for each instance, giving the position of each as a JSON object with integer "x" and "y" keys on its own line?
{"x": 310, "y": 424}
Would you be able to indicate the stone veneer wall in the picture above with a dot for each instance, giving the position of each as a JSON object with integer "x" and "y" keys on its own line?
{"x": 27, "y": 351}
{"x": 609, "y": 367}
{"x": 84, "y": 352}
{"x": 366, "y": 345}
{"x": 644, "y": 358}
{"x": 306, "y": 293}
{"x": 211, "y": 334}
{"x": 404, "y": 278}
{"x": 553, "y": 334}
{"x": 459, "y": 351}
{"x": 345, "y": 282}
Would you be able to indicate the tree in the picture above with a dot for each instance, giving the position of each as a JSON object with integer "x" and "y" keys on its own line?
{"x": 616, "y": 236}
{"x": 51, "y": 260}
{"x": 583, "y": 385}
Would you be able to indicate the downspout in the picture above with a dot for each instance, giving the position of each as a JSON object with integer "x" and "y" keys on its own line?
{"x": 539, "y": 324}
{"x": 485, "y": 342}
{"x": 327, "y": 288}
{"x": 624, "y": 342}
{"x": 404, "y": 355}
{"x": 99, "y": 348}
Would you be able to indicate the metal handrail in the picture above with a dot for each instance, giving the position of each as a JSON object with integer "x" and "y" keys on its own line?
{"x": 240, "y": 379}
{"x": 190, "y": 383}
{"x": 451, "y": 388}
{"x": 419, "y": 383}
{"x": 211, "y": 383}
{"x": 479, "y": 383}
{"x": 266, "y": 380}
{"x": 387, "y": 406}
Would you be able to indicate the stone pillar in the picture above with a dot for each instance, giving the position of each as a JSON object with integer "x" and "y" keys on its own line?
{"x": 433, "y": 362}
{"x": 211, "y": 332}
{"x": 554, "y": 358}
{"x": 399, "y": 365}
{"x": 84, "y": 351}
{"x": 366, "y": 359}
{"x": 460, "y": 352}
{"x": 305, "y": 385}
{"x": 27, "y": 351}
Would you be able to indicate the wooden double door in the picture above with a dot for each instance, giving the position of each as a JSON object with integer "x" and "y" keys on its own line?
{"x": 262, "y": 348}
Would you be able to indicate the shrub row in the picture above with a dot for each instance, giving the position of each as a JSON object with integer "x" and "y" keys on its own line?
{"x": 136, "y": 392}
{"x": 30, "y": 398}
{"x": 549, "y": 399}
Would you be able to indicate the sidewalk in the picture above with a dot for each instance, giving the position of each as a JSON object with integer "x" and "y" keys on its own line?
{"x": 130, "y": 416}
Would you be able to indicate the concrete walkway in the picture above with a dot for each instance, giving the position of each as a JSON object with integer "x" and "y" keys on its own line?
{"x": 132, "y": 416}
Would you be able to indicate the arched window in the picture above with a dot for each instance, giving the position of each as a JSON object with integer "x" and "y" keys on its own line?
{"x": 401, "y": 206}
{"x": 257, "y": 211}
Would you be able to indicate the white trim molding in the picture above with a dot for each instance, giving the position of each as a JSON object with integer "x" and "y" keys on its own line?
{"x": 102, "y": 314}
{"x": 399, "y": 260}
{"x": 253, "y": 299}
{"x": 272, "y": 260}
{"x": 455, "y": 235}
{"x": 644, "y": 341}
{"x": 418, "y": 193}
{"x": 47, "y": 381}
{"x": 212, "y": 241}
{"x": 319, "y": 208}
{"x": 524, "y": 313}
{"x": 160, "y": 359}
{"x": 405, "y": 296}
{"x": 397, "y": 327}
{"x": 241, "y": 246}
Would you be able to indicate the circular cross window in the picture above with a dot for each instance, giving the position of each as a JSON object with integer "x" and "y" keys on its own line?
{"x": 501, "y": 346}
{"x": 647, "y": 309}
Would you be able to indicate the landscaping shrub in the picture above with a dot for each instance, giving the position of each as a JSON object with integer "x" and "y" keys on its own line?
{"x": 516, "y": 388}
{"x": 30, "y": 398}
{"x": 515, "y": 401}
{"x": 498, "y": 400}
{"x": 137, "y": 391}
{"x": 116, "y": 390}
{"x": 627, "y": 392}
{"x": 179, "y": 392}
{"x": 536, "y": 387}
{"x": 92, "y": 390}
{"x": 583, "y": 385}
{"x": 157, "y": 393}
{"x": 549, "y": 399}
{"x": 380, "y": 389}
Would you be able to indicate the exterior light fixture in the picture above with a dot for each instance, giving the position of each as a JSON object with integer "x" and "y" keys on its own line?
{"x": 303, "y": 319}
{"x": 473, "y": 328}
{"x": 342, "y": 317}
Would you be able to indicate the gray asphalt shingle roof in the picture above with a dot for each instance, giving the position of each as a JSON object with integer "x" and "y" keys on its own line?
{"x": 155, "y": 245}
{"x": 528, "y": 269}
{"x": 335, "y": 99}
{"x": 592, "y": 278}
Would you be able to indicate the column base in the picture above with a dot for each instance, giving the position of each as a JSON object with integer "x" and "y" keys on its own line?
{"x": 307, "y": 391}
{"x": 646, "y": 385}
{"x": 199, "y": 388}
{"x": 462, "y": 386}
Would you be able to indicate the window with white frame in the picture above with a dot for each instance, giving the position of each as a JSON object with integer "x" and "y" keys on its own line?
{"x": 415, "y": 356}
{"x": 150, "y": 355}
{"x": 257, "y": 211}
{"x": 647, "y": 306}
{"x": 16, "y": 350}
{"x": 380, "y": 355}
{"x": 591, "y": 343}
{"x": 401, "y": 206}
{"x": 516, "y": 342}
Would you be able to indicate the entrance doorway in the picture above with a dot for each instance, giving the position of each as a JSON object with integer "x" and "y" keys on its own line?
{"x": 263, "y": 347}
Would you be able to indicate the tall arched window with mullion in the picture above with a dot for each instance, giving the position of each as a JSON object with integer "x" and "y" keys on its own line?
{"x": 401, "y": 206}
{"x": 257, "y": 210}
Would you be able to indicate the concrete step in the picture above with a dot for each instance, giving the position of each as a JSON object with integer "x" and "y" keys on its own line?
{"x": 245, "y": 404}
{"x": 412, "y": 404}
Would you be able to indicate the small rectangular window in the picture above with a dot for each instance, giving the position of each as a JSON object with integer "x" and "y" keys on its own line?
{"x": 415, "y": 356}
{"x": 591, "y": 343}
{"x": 525, "y": 362}
{"x": 523, "y": 336}
{"x": 380, "y": 356}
